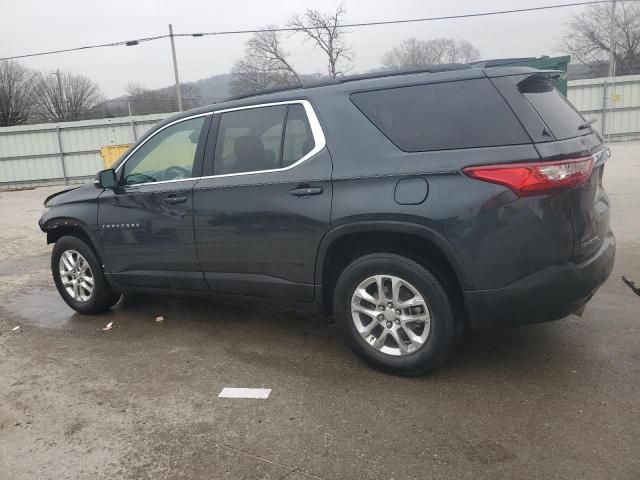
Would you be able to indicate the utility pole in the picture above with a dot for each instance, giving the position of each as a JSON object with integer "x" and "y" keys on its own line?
{"x": 175, "y": 68}
{"x": 607, "y": 90}
{"x": 61, "y": 103}
{"x": 58, "y": 74}
{"x": 133, "y": 124}
{"x": 612, "y": 40}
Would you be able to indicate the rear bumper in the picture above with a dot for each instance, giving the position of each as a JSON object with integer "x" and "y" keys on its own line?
{"x": 546, "y": 295}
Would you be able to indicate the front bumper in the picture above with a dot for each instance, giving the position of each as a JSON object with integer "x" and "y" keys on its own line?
{"x": 546, "y": 295}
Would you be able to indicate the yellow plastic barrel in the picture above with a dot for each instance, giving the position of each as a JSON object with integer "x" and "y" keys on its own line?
{"x": 111, "y": 153}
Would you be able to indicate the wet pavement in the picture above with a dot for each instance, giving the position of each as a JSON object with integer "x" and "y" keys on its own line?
{"x": 559, "y": 400}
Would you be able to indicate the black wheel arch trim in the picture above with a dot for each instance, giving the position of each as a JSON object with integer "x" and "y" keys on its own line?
{"x": 67, "y": 223}
{"x": 393, "y": 226}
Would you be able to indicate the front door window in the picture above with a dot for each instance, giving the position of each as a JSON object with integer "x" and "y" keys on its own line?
{"x": 168, "y": 155}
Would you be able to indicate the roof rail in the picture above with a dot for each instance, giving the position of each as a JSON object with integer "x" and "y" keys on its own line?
{"x": 265, "y": 91}
{"x": 354, "y": 78}
{"x": 392, "y": 73}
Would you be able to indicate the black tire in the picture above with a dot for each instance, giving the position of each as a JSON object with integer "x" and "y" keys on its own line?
{"x": 103, "y": 297}
{"x": 442, "y": 335}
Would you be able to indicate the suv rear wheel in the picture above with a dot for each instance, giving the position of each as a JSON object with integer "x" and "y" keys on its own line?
{"x": 79, "y": 278}
{"x": 394, "y": 314}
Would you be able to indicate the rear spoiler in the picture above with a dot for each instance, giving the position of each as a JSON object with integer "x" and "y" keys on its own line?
{"x": 541, "y": 81}
{"x": 530, "y": 72}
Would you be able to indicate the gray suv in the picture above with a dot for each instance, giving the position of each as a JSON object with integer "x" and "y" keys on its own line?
{"x": 408, "y": 205}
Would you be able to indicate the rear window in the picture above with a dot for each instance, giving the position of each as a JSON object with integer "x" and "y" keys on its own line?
{"x": 556, "y": 111}
{"x": 442, "y": 116}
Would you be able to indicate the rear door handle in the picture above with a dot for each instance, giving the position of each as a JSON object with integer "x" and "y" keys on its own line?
{"x": 305, "y": 191}
{"x": 174, "y": 200}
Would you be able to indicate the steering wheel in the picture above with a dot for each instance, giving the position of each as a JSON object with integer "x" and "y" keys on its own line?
{"x": 175, "y": 173}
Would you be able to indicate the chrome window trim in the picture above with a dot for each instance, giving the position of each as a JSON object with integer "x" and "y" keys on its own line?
{"x": 153, "y": 135}
{"x": 316, "y": 130}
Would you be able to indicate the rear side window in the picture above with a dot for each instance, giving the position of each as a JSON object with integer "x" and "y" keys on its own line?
{"x": 442, "y": 116}
{"x": 556, "y": 111}
{"x": 262, "y": 138}
{"x": 249, "y": 140}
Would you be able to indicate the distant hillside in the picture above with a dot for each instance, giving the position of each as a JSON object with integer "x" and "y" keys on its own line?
{"x": 218, "y": 87}
{"x": 161, "y": 100}
{"x": 214, "y": 88}
{"x": 201, "y": 92}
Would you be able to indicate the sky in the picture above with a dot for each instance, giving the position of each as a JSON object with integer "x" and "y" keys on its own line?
{"x": 28, "y": 26}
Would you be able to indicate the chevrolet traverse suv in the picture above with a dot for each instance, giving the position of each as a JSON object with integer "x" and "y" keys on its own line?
{"x": 407, "y": 205}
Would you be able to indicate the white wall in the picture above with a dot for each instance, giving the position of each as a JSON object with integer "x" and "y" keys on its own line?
{"x": 613, "y": 102}
{"x": 62, "y": 152}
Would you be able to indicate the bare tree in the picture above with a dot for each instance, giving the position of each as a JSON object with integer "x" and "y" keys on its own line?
{"x": 191, "y": 96}
{"x": 265, "y": 64}
{"x": 64, "y": 97}
{"x": 325, "y": 31}
{"x": 413, "y": 53}
{"x": 16, "y": 93}
{"x": 589, "y": 41}
{"x": 144, "y": 101}
{"x": 268, "y": 46}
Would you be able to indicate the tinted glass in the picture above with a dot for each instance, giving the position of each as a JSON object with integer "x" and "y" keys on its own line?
{"x": 250, "y": 140}
{"x": 298, "y": 139}
{"x": 442, "y": 116}
{"x": 168, "y": 155}
{"x": 561, "y": 117}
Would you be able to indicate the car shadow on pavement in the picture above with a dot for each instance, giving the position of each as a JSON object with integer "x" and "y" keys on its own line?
{"x": 278, "y": 334}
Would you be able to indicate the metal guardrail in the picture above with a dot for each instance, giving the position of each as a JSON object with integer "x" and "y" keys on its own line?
{"x": 44, "y": 155}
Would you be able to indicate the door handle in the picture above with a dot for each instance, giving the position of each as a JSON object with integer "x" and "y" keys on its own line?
{"x": 304, "y": 191}
{"x": 173, "y": 200}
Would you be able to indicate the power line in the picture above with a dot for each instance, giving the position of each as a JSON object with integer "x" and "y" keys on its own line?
{"x": 127, "y": 43}
{"x": 137, "y": 41}
{"x": 392, "y": 22}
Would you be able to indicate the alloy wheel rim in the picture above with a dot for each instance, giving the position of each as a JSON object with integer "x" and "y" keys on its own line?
{"x": 76, "y": 276}
{"x": 391, "y": 315}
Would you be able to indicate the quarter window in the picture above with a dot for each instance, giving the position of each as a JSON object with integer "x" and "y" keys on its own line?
{"x": 262, "y": 138}
{"x": 298, "y": 139}
{"x": 168, "y": 155}
{"x": 442, "y": 116}
{"x": 561, "y": 117}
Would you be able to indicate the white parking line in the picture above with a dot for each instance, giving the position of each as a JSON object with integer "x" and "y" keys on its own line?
{"x": 261, "y": 393}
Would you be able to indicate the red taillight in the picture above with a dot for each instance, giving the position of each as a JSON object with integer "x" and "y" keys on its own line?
{"x": 535, "y": 178}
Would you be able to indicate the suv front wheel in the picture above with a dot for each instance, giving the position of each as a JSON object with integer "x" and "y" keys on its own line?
{"x": 394, "y": 314}
{"x": 78, "y": 277}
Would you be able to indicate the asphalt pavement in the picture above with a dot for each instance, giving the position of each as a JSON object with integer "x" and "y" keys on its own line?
{"x": 140, "y": 401}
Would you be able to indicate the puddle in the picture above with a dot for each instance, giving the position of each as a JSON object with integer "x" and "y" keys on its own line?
{"x": 41, "y": 307}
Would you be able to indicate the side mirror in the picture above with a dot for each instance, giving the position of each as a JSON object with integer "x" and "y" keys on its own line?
{"x": 106, "y": 179}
